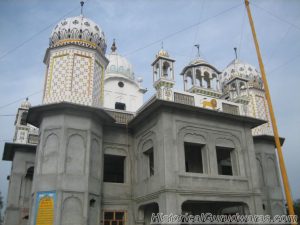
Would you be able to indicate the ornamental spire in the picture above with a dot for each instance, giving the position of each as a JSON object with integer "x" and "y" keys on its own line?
{"x": 81, "y": 10}
{"x": 198, "y": 50}
{"x": 113, "y": 46}
{"x": 235, "y": 52}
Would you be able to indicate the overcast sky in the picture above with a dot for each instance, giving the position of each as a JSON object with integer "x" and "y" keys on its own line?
{"x": 139, "y": 26}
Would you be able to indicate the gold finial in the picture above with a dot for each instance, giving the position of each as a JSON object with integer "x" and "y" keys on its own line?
{"x": 113, "y": 46}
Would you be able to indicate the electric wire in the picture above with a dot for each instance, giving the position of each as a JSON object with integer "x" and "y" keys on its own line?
{"x": 36, "y": 34}
{"x": 20, "y": 99}
{"x": 285, "y": 63}
{"x": 182, "y": 30}
{"x": 198, "y": 27}
{"x": 242, "y": 33}
{"x": 276, "y": 16}
{"x": 279, "y": 43}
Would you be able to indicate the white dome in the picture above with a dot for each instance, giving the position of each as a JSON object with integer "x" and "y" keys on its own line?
{"x": 118, "y": 64}
{"x": 244, "y": 70}
{"x": 80, "y": 30}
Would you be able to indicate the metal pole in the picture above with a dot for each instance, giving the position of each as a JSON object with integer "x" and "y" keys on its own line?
{"x": 273, "y": 120}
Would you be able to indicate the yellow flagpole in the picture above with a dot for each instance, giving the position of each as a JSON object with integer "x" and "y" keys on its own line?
{"x": 273, "y": 120}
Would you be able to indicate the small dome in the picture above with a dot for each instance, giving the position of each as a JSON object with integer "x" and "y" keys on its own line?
{"x": 162, "y": 53}
{"x": 79, "y": 30}
{"x": 244, "y": 70}
{"x": 197, "y": 61}
{"x": 118, "y": 64}
{"x": 25, "y": 104}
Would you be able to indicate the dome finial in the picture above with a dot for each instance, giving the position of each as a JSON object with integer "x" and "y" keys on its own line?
{"x": 81, "y": 10}
{"x": 113, "y": 46}
{"x": 198, "y": 50}
{"x": 235, "y": 52}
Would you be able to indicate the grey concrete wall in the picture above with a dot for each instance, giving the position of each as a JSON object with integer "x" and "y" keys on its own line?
{"x": 69, "y": 162}
{"x": 19, "y": 191}
{"x": 171, "y": 186}
{"x": 269, "y": 177}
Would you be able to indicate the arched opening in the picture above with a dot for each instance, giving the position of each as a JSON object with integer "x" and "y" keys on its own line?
{"x": 188, "y": 80}
{"x": 214, "y": 81}
{"x": 156, "y": 72}
{"x": 29, "y": 173}
{"x": 198, "y": 80}
{"x": 166, "y": 72}
{"x": 207, "y": 80}
{"x": 242, "y": 86}
{"x": 145, "y": 213}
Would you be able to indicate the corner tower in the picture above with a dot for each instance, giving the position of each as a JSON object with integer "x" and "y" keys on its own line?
{"x": 75, "y": 63}
{"x": 163, "y": 75}
{"x": 241, "y": 82}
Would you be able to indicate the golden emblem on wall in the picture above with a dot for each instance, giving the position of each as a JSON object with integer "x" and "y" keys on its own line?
{"x": 212, "y": 104}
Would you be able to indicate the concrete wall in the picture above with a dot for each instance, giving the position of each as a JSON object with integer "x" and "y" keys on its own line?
{"x": 69, "y": 162}
{"x": 171, "y": 186}
{"x": 269, "y": 177}
{"x": 19, "y": 191}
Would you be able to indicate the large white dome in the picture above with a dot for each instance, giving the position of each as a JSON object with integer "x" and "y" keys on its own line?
{"x": 244, "y": 70}
{"x": 78, "y": 29}
{"x": 118, "y": 64}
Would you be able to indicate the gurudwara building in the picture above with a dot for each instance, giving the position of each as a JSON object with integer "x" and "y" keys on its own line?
{"x": 94, "y": 153}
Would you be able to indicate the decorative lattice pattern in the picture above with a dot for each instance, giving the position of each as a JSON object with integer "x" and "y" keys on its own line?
{"x": 74, "y": 76}
{"x": 98, "y": 84}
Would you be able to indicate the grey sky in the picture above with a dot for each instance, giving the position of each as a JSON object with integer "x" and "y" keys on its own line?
{"x": 136, "y": 24}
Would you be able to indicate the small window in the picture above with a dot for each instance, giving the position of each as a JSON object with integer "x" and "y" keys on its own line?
{"x": 150, "y": 158}
{"x": 121, "y": 84}
{"x": 120, "y": 106}
{"x": 114, "y": 218}
{"x": 224, "y": 161}
{"x": 193, "y": 157}
{"x": 92, "y": 202}
{"x": 29, "y": 173}
{"x": 113, "y": 168}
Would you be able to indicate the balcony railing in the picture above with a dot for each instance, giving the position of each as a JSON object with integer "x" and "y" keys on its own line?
{"x": 184, "y": 99}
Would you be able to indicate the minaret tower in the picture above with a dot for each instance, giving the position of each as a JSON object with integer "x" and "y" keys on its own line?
{"x": 75, "y": 62}
{"x": 163, "y": 75}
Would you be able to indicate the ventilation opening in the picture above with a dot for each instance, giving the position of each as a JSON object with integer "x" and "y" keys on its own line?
{"x": 120, "y": 106}
{"x": 193, "y": 157}
{"x": 113, "y": 168}
{"x": 224, "y": 161}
